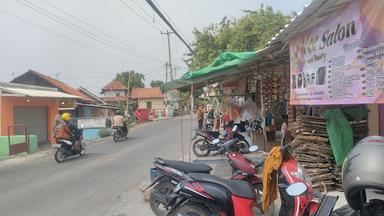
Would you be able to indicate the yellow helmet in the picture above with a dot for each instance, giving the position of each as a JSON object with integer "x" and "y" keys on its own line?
{"x": 66, "y": 116}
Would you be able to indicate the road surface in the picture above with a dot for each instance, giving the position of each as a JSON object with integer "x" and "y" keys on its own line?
{"x": 103, "y": 182}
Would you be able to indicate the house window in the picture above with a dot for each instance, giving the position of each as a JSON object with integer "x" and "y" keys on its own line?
{"x": 149, "y": 104}
{"x": 117, "y": 94}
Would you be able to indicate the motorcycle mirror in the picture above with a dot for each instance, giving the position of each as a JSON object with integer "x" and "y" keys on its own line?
{"x": 296, "y": 189}
{"x": 215, "y": 141}
{"x": 234, "y": 128}
{"x": 253, "y": 148}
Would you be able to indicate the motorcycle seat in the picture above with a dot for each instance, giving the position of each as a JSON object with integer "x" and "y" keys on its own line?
{"x": 185, "y": 167}
{"x": 214, "y": 134}
{"x": 257, "y": 163}
{"x": 238, "y": 188}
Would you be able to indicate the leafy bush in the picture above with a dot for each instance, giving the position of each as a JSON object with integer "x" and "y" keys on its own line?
{"x": 104, "y": 132}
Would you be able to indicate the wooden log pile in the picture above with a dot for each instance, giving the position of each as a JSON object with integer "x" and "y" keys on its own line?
{"x": 312, "y": 150}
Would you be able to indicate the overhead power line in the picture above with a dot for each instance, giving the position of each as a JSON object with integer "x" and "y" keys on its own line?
{"x": 94, "y": 28}
{"x": 146, "y": 13}
{"x": 169, "y": 18}
{"x": 168, "y": 23}
{"x": 87, "y": 45}
{"x": 79, "y": 29}
{"x": 140, "y": 16}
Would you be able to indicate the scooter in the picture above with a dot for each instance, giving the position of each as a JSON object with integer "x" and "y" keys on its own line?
{"x": 119, "y": 134}
{"x": 63, "y": 148}
{"x": 202, "y": 148}
{"x": 170, "y": 173}
{"x": 209, "y": 195}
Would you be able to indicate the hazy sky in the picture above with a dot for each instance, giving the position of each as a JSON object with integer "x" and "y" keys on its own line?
{"x": 113, "y": 38}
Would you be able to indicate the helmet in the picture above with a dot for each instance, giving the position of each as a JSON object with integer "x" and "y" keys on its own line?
{"x": 363, "y": 171}
{"x": 66, "y": 116}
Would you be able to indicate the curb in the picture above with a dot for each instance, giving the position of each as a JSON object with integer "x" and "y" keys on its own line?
{"x": 23, "y": 157}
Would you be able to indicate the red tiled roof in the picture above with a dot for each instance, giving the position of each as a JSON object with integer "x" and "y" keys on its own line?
{"x": 146, "y": 93}
{"x": 114, "y": 99}
{"x": 62, "y": 86}
{"x": 114, "y": 85}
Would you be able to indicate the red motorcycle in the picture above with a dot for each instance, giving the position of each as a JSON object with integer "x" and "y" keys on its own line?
{"x": 203, "y": 194}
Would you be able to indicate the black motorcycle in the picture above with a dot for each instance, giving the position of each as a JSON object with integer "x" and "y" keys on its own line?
{"x": 203, "y": 147}
{"x": 169, "y": 173}
{"x": 119, "y": 134}
{"x": 64, "y": 148}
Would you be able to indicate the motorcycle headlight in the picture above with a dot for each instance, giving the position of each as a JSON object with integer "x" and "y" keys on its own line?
{"x": 302, "y": 174}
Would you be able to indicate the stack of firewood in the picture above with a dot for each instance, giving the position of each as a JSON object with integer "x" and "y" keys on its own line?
{"x": 314, "y": 153}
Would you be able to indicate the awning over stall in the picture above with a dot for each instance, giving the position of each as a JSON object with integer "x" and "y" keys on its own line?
{"x": 226, "y": 64}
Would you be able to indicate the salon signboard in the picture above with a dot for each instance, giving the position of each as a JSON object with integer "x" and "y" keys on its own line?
{"x": 341, "y": 59}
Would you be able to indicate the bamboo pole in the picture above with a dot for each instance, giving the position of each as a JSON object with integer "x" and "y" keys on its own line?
{"x": 190, "y": 137}
{"x": 181, "y": 135}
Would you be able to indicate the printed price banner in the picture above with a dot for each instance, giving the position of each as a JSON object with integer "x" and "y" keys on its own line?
{"x": 341, "y": 59}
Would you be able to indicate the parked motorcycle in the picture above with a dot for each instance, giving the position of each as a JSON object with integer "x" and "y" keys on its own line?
{"x": 203, "y": 147}
{"x": 363, "y": 181}
{"x": 208, "y": 195}
{"x": 256, "y": 125}
{"x": 119, "y": 134}
{"x": 160, "y": 194}
{"x": 64, "y": 147}
{"x": 169, "y": 174}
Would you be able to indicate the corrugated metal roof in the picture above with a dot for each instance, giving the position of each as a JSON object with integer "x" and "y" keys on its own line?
{"x": 39, "y": 93}
{"x": 311, "y": 14}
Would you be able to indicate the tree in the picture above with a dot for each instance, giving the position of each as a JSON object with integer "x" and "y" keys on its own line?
{"x": 249, "y": 33}
{"x": 136, "y": 80}
{"x": 156, "y": 83}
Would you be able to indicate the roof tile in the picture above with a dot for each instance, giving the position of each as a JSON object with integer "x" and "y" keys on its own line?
{"x": 63, "y": 87}
{"x": 146, "y": 93}
{"x": 114, "y": 85}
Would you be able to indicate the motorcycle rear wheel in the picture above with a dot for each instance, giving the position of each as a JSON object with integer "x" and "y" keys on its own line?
{"x": 115, "y": 137}
{"x": 157, "y": 206}
{"x": 60, "y": 155}
{"x": 192, "y": 209}
{"x": 243, "y": 146}
{"x": 201, "y": 148}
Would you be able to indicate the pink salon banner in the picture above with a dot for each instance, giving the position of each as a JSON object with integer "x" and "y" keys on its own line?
{"x": 341, "y": 59}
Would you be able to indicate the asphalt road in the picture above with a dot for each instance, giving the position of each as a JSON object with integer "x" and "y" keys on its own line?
{"x": 103, "y": 182}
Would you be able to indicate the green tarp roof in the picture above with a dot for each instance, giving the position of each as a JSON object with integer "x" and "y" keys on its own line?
{"x": 225, "y": 60}
{"x": 225, "y": 64}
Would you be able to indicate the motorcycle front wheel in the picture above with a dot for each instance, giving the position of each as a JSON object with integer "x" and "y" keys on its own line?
{"x": 158, "y": 205}
{"x": 83, "y": 147}
{"x": 201, "y": 148}
{"x": 243, "y": 146}
{"x": 192, "y": 209}
{"x": 60, "y": 155}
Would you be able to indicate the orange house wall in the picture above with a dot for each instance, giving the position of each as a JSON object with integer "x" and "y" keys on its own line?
{"x": 8, "y": 103}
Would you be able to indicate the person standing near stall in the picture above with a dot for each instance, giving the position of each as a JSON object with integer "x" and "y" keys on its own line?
{"x": 200, "y": 117}
{"x": 270, "y": 131}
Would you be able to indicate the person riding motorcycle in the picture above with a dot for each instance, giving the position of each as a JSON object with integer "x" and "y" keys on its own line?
{"x": 65, "y": 131}
{"x": 118, "y": 121}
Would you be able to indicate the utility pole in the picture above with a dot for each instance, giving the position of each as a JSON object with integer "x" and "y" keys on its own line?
{"x": 153, "y": 6}
{"x": 129, "y": 76}
{"x": 169, "y": 55}
{"x": 166, "y": 71}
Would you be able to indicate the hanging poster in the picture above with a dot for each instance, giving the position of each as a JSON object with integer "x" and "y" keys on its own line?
{"x": 234, "y": 87}
{"x": 341, "y": 59}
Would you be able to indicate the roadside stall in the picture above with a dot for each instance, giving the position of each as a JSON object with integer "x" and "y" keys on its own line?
{"x": 336, "y": 82}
